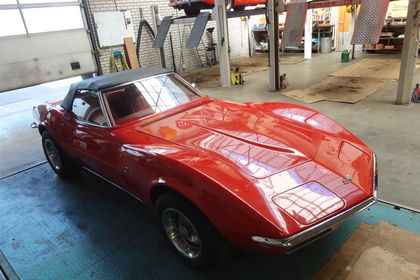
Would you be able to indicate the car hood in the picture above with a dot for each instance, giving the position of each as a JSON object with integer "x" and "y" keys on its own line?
{"x": 257, "y": 143}
{"x": 286, "y": 162}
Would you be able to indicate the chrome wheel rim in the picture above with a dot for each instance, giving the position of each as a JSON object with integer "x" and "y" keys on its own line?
{"x": 181, "y": 232}
{"x": 52, "y": 154}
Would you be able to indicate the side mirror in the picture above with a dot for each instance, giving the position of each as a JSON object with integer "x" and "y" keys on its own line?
{"x": 194, "y": 85}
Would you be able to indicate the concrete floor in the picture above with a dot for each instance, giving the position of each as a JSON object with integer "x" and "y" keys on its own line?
{"x": 390, "y": 130}
{"x": 20, "y": 145}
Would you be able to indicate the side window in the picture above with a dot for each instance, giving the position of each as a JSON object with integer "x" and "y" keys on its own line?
{"x": 86, "y": 107}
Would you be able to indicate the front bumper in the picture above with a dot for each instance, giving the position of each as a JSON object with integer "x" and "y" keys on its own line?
{"x": 309, "y": 235}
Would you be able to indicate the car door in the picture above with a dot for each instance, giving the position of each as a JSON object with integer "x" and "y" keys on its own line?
{"x": 92, "y": 139}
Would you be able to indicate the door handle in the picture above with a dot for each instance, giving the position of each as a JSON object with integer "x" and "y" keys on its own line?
{"x": 127, "y": 171}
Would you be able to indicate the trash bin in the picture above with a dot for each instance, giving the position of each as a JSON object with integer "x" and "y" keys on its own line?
{"x": 345, "y": 56}
{"x": 326, "y": 43}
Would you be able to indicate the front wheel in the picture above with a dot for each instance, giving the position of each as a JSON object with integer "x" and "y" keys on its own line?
{"x": 194, "y": 239}
{"x": 58, "y": 161}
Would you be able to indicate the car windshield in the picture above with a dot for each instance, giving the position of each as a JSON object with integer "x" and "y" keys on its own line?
{"x": 146, "y": 97}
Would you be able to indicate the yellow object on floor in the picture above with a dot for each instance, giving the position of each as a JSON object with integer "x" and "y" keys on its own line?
{"x": 210, "y": 77}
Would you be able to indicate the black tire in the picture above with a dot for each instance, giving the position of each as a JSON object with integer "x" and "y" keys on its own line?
{"x": 58, "y": 161}
{"x": 238, "y": 8}
{"x": 212, "y": 247}
{"x": 192, "y": 12}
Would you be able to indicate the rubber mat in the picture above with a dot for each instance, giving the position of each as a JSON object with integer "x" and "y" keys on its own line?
{"x": 370, "y": 21}
{"x": 84, "y": 228}
{"x": 295, "y": 23}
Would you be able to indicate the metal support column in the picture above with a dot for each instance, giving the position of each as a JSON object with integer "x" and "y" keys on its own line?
{"x": 273, "y": 7}
{"x": 155, "y": 19}
{"x": 409, "y": 53}
{"x": 223, "y": 43}
{"x": 308, "y": 35}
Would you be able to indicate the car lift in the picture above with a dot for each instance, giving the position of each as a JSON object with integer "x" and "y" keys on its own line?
{"x": 220, "y": 15}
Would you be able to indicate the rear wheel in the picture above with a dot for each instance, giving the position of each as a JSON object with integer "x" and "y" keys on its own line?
{"x": 58, "y": 161}
{"x": 192, "y": 12}
{"x": 194, "y": 239}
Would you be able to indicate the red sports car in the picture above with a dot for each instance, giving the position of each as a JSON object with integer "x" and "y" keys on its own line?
{"x": 267, "y": 177}
{"x": 193, "y": 7}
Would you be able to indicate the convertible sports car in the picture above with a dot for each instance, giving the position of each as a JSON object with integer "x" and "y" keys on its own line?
{"x": 269, "y": 177}
{"x": 193, "y": 7}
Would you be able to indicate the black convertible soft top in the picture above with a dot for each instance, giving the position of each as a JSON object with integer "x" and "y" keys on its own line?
{"x": 109, "y": 80}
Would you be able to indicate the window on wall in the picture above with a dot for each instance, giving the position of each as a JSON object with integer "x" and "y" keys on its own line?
{"x": 11, "y": 23}
{"x": 38, "y": 16}
{"x": 52, "y": 19}
{"x": 43, "y": 1}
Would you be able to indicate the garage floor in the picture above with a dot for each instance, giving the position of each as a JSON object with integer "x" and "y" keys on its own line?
{"x": 85, "y": 228}
{"x": 19, "y": 143}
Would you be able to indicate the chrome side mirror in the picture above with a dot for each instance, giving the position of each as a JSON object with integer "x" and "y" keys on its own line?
{"x": 194, "y": 85}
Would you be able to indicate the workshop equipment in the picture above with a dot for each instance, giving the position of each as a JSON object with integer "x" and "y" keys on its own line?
{"x": 236, "y": 76}
{"x": 415, "y": 98}
{"x": 345, "y": 56}
{"x": 113, "y": 63}
{"x": 370, "y": 21}
{"x": 211, "y": 55}
{"x": 283, "y": 81}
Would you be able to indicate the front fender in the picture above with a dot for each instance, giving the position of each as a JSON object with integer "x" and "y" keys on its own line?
{"x": 197, "y": 177}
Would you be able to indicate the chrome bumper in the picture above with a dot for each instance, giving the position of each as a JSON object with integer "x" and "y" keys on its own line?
{"x": 309, "y": 235}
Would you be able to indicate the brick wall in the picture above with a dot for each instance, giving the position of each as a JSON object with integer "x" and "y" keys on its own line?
{"x": 185, "y": 59}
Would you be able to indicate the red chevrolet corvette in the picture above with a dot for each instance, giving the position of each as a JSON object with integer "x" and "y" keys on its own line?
{"x": 193, "y": 7}
{"x": 269, "y": 177}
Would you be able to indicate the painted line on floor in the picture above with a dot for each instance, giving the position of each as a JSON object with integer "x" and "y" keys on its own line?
{"x": 6, "y": 269}
{"x": 399, "y": 206}
{"x": 23, "y": 170}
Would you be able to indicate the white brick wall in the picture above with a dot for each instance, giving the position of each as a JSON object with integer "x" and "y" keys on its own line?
{"x": 185, "y": 59}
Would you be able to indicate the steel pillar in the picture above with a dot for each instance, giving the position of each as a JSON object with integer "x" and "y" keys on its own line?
{"x": 409, "y": 53}
{"x": 273, "y": 8}
{"x": 223, "y": 43}
{"x": 308, "y": 35}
